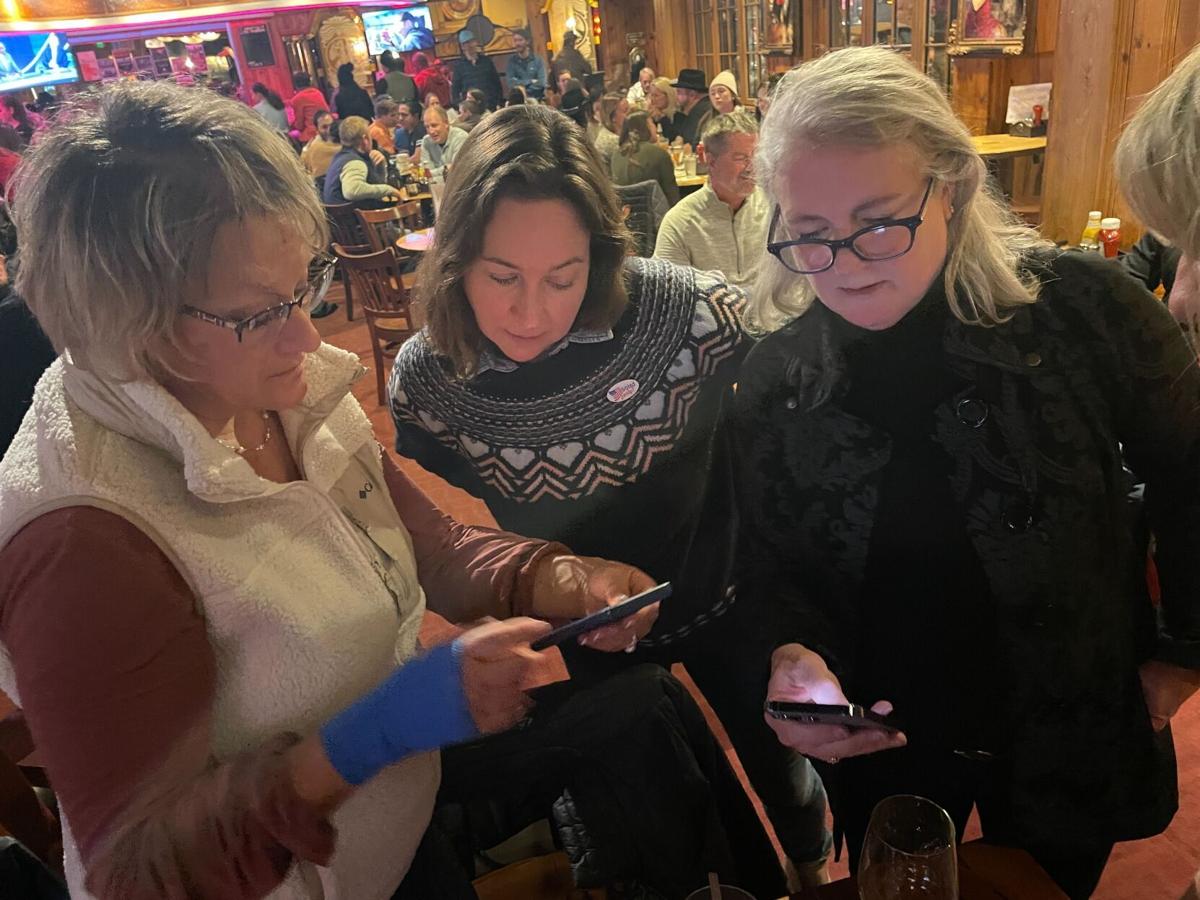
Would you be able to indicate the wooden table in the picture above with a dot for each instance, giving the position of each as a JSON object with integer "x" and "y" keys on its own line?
{"x": 690, "y": 181}
{"x": 1016, "y": 164}
{"x": 997, "y": 146}
{"x": 415, "y": 241}
{"x": 984, "y": 873}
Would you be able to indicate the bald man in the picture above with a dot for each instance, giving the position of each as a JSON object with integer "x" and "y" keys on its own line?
{"x": 639, "y": 93}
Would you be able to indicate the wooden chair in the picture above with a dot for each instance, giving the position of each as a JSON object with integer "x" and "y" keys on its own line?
{"x": 384, "y": 291}
{"x": 348, "y": 232}
{"x": 383, "y": 226}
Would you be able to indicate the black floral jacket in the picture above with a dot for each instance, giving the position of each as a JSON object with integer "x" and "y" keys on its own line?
{"x": 1094, "y": 377}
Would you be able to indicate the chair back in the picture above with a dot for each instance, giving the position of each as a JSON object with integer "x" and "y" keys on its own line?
{"x": 383, "y": 226}
{"x": 378, "y": 281}
{"x": 647, "y": 204}
{"x": 344, "y": 225}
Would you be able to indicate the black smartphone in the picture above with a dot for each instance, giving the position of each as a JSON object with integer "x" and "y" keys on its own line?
{"x": 851, "y": 715}
{"x": 606, "y": 616}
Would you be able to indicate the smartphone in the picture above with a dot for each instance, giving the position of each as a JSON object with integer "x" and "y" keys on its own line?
{"x": 850, "y": 715}
{"x": 606, "y": 616}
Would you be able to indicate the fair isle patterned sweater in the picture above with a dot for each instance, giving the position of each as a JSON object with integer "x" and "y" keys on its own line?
{"x": 614, "y": 448}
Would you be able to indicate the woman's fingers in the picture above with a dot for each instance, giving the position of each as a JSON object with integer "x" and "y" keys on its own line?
{"x": 831, "y": 743}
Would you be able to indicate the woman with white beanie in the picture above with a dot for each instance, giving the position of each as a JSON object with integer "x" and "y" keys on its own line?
{"x": 723, "y": 92}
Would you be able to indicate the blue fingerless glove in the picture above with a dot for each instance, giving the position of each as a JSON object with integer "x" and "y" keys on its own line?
{"x": 421, "y": 706}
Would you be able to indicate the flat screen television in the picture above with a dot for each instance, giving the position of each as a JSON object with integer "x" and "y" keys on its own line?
{"x": 35, "y": 60}
{"x": 398, "y": 30}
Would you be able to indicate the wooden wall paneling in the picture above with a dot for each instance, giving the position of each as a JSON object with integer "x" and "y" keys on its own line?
{"x": 1085, "y": 58}
{"x": 613, "y": 28}
{"x": 970, "y": 91}
{"x": 539, "y": 28}
{"x": 1187, "y": 33}
{"x": 1110, "y": 53}
{"x": 672, "y": 37}
{"x": 1147, "y": 32}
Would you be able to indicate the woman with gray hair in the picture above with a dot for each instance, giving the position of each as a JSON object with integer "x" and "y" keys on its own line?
{"x": 1158, "y": 164}
{"x": 211, "y": 575}
{"x": 931, "y": 442}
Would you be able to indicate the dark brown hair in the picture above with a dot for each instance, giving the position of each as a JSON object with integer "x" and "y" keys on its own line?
{"x": 635, "y": 131}
{"x": 529, "y": 153}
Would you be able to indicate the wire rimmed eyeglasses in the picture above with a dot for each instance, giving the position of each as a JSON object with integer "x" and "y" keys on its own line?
{"x": 311, "y": 294}
{"x": 875, "y": 243}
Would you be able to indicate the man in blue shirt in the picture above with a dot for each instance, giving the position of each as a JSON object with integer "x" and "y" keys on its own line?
{"x": 526, "y": 69}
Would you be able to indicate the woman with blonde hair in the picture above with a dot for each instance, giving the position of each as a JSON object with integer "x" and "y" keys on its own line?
{"x": 1158, "y": 164}
{"x": 212, "y": 577}
{"x": 931, "y": 443}
{"x": 663, "y": 107}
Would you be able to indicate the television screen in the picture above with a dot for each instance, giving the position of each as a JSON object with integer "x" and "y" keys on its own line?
{"x": 34, "y": 60}
{"x": 398, "y": 30}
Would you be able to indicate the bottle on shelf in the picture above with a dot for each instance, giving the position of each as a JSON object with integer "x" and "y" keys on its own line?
{"x": 1091, "y": 232}
{"x": 1110, "y": 236}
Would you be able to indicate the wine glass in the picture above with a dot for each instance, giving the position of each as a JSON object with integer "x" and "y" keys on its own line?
{"x": 909, "y": 851}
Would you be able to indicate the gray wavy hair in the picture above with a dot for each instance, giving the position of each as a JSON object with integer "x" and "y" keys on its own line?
{"x": 872, "y": 97}
{"x": 1158, "y": 158}
{"x": 117, "y": 206}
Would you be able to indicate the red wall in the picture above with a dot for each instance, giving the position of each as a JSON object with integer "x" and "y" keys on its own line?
{"x": 277, "y": 77}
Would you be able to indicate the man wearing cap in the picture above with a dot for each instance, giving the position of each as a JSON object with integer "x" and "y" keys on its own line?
{"x": 474, "y": 70}
{"x": 570, "y": 60}
{"x": 526, "y": 70}
{"x": 691, "y": 91}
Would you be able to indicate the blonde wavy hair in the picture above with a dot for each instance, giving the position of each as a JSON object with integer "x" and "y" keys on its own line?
{"x": 872, "y": 97}
{"x": 664, "y": 85}
{"x": 1158, "y": 158}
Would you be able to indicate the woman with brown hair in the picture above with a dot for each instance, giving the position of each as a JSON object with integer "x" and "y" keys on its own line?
{"x": 579, "y": 392}
{"x": 641, "y": 159}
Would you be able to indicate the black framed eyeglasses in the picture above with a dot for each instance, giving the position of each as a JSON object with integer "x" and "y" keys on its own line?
{"x": 875, "y": 243}
{"x": 274, "y": 317}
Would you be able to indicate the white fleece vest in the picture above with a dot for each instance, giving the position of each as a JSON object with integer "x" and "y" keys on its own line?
{"x": 309, "y": 589}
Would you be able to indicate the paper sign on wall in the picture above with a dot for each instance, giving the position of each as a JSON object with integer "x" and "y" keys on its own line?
{"x": 1023, "y": 97}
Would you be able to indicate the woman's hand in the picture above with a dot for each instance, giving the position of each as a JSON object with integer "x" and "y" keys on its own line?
{"x": 1166, "y": 688}
{"x": 497, "y": 668}
{"x": 571, "y": 587}
{"x": 801, "y": 676}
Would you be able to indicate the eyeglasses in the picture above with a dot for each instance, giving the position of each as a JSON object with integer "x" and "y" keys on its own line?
{"x": 883, "y": 240}
{"x": 271, "y": 320}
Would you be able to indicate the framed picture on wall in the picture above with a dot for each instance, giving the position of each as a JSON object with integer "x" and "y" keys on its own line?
{"x": 779, "y": 24}
{"x": 989, "y": 26}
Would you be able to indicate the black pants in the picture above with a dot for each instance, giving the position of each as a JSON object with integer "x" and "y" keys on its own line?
{"x": 735, "y": 685}
{"x": 634, "y": 777}
{"x": 956, "y": 784}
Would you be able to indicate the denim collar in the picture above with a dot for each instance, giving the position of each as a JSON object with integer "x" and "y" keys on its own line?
{"x": 492, "y": 360}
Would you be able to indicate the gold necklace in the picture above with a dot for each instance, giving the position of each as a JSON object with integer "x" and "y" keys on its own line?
{"x": 242, "y": 451}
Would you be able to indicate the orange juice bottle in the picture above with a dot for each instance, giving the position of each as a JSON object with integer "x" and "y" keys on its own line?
{"x": 1091, "y": 232}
